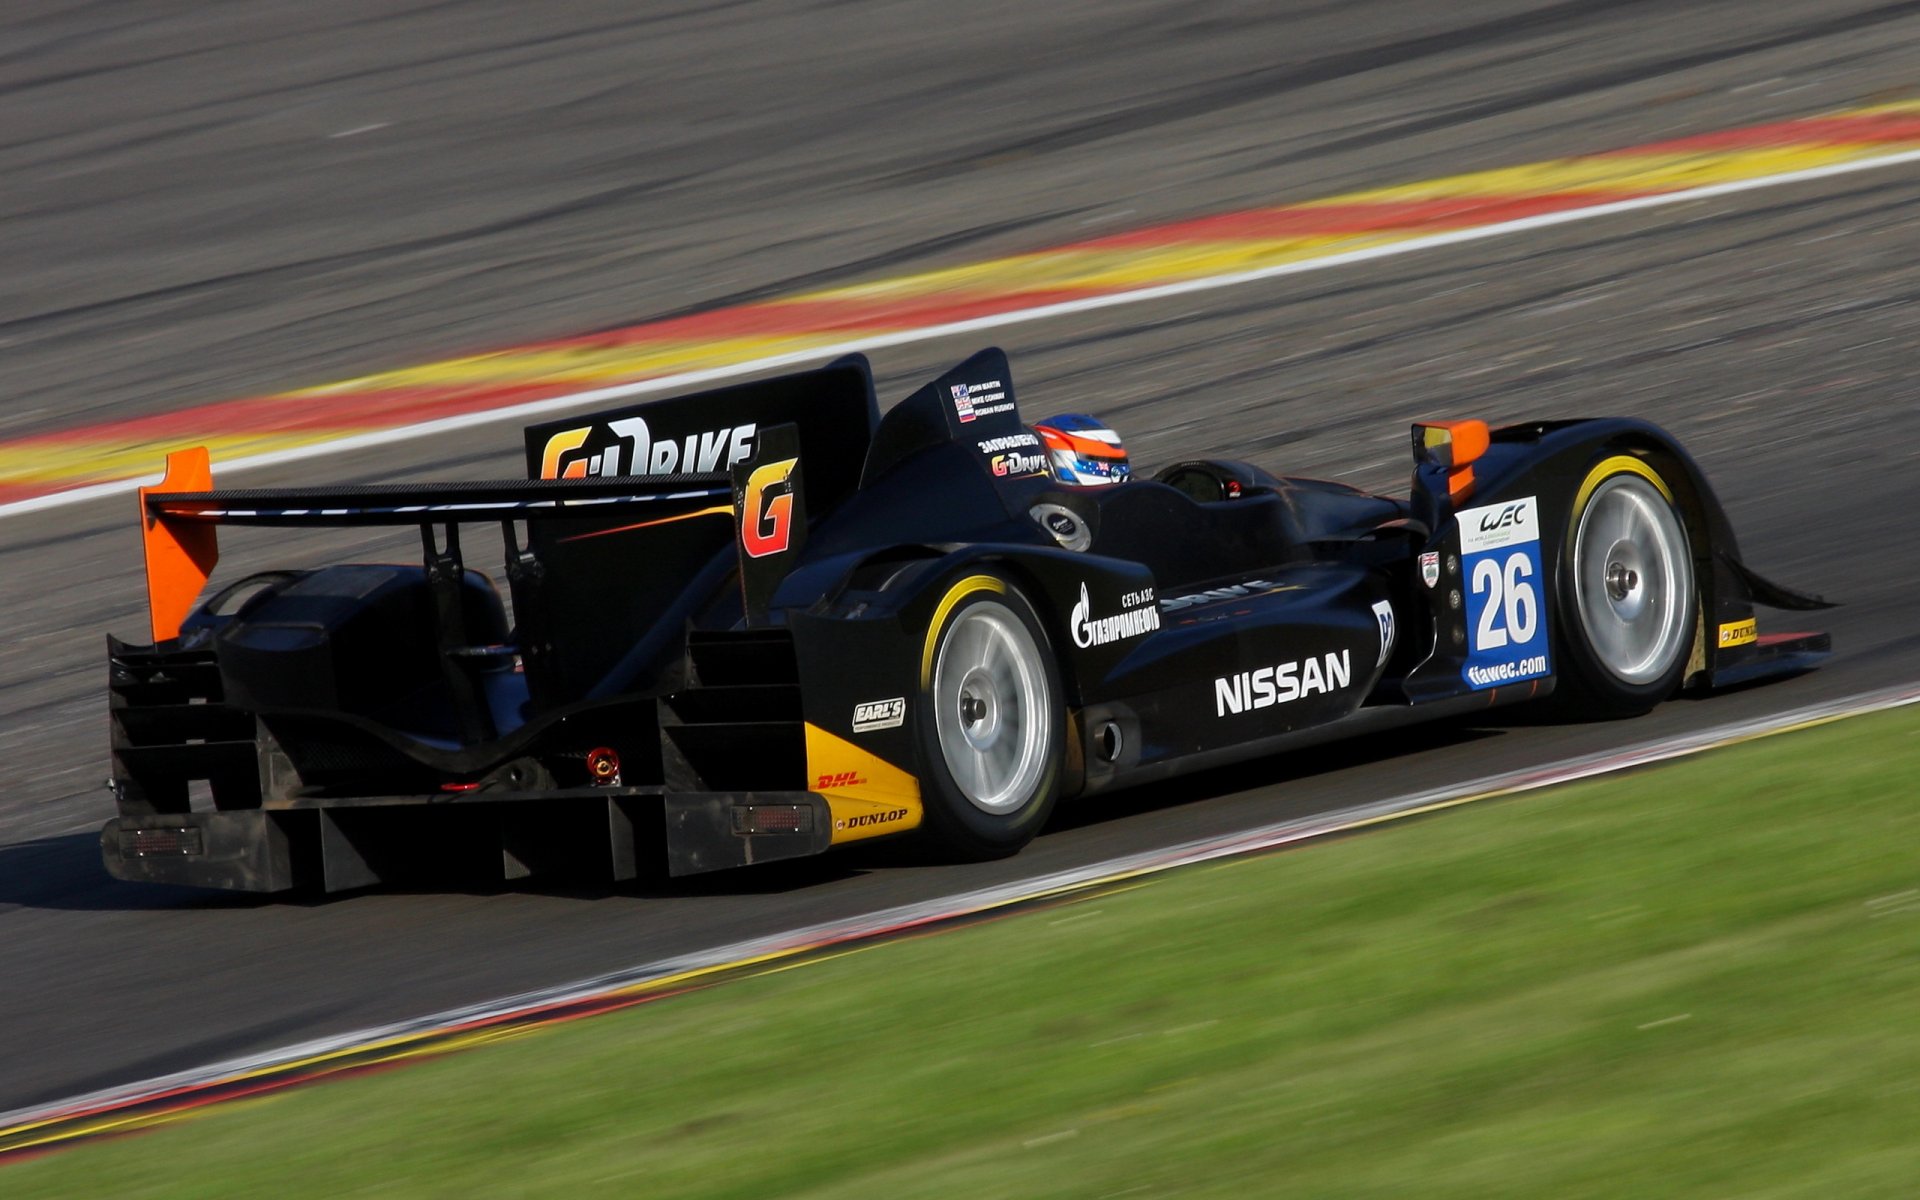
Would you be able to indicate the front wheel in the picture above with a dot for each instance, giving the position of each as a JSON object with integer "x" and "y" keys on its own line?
{"x": 1627, "y": 595}
{"x": 993, "y": 720}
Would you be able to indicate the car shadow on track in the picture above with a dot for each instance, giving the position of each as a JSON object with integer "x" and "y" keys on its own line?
{"x": 1276, "y": 771}
{"x": 65, "y": 872}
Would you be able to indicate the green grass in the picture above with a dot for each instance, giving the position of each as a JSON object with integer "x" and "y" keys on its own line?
{"x": 1698, "y": 980}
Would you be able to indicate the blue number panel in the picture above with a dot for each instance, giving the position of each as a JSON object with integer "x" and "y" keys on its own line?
{"x": 1506, "y": 594}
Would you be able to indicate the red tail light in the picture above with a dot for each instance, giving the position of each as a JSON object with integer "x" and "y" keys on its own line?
{"x": 603, "y": 766}
{"x": 772, "y": 818}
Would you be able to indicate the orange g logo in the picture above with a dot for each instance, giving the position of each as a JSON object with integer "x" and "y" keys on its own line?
{"x": 564, "y": 442}
{"x": 766, "y": 525}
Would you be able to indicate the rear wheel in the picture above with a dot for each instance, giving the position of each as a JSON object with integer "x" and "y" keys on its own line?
{"x": 1628, "y": 596}
{"x": 992, "y": 723}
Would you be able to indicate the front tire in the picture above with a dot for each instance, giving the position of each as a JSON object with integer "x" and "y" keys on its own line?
{"x": 1628, "y": 598}
{"x": 992, "y": 721}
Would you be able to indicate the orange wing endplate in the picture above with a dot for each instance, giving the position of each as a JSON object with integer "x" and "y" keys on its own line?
{"x": 180, "y": 555}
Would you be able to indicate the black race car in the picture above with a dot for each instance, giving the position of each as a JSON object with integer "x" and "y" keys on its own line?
{"x": 763, "y": 621}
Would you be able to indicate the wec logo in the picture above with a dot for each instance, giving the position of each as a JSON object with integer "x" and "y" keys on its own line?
{"x": 766, "y": 509}
{"x": 1499, "y": 525}
{"x": 1501, "y": 518}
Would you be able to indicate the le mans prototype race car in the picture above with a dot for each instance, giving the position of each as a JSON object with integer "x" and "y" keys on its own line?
{"x": 764, "y": 621}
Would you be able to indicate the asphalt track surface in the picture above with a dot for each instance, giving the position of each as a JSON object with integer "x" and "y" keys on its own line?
{"x": 207, "y": 199}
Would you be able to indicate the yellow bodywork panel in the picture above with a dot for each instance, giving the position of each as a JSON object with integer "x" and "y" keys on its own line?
{"x": 868, "y": 795}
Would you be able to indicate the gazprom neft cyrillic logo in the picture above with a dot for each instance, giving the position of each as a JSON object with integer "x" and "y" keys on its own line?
{"x": 1089, "y": 631}
{"x": 1011, "y": 441}
{"x": 1281, "y": 683}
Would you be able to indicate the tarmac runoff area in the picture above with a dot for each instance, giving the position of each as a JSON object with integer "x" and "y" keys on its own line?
{"x": 1192, "y": 257}
{"x": 156, "y": 1102}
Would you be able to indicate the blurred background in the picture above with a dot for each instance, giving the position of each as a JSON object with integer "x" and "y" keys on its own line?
{"x": 212, "y": 199}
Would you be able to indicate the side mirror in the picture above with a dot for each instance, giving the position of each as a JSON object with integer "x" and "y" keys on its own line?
{"x": 1452, "y": 446}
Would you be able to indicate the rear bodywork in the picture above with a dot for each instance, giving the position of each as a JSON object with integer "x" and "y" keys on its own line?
{"x": 716, "y": 631}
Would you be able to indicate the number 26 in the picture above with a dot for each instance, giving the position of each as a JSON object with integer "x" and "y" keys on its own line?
{"x": 1509, "y": 596}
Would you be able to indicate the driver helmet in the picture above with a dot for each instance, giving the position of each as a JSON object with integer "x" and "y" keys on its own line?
{"x": 1083, "y": 451}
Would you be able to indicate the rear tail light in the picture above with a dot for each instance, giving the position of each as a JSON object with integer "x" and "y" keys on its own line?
{"x": 772, "y": 818}
{"x": 603, "y": 767}
{"x": 144, "y": 843}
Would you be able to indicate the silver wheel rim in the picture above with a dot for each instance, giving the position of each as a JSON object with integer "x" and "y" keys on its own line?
{"x": 989, "y": 708}
{"x": 1632, "y": 578}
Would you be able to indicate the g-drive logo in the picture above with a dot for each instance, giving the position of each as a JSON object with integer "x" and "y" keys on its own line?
{"x": 1014, "y": 454}
{"x": 1018, "y": 464}
{"x": 638, "y": 453}
{"x": 766, "y": 509}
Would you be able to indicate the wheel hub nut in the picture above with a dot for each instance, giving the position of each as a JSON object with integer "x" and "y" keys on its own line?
{"x": 1621, "y": 580}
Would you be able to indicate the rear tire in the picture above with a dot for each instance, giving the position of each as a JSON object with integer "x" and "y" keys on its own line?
{"x": 1628, "y": 598}
{"x": 992, "y": 722}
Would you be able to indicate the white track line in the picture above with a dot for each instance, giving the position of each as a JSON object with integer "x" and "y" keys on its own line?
{"x": 624, "y": 391}
{"x": 961, "y": 904}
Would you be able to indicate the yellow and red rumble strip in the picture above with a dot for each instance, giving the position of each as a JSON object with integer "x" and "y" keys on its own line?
{"x": 28, "y": 1133}
{"x": 1222, "y": 247}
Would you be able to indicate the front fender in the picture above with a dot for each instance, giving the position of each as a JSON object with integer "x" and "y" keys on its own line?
{"x": 1091, "y": 607}
{"x": 1549, "y": 460}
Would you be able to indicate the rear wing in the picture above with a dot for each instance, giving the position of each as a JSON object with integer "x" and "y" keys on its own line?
{"x": 178, "y": 517}
{"x": 598, "y": 479}
{"x": 833, "y": 410}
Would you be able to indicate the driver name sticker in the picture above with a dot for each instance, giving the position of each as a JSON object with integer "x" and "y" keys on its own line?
{"x": 1506, "y": 588}
{"x": 971, "y": 401}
